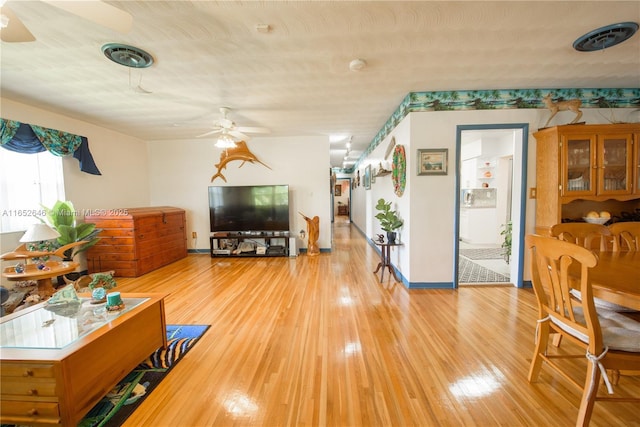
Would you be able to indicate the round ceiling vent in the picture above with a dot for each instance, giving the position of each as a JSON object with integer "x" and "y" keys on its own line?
{"x": 128, "y": 56}
{"x": 605, "y": 37}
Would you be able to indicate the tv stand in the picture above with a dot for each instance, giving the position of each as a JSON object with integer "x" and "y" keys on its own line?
{"x": 249, "y": 244}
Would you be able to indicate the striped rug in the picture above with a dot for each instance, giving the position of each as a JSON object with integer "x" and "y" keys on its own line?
{"x": 119, "y": 403}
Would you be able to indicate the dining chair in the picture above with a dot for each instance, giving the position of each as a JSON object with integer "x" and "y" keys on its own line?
{"x": 608, "y": 340}
{"x": 626, "y": 236}
{"x": 590, "y": 236}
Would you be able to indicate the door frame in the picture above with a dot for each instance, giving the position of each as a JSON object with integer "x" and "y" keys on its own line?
{"x": 517, "y": 249}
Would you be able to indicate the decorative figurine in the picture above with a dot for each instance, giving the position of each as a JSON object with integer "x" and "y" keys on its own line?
{"x": 313, "y": 232}
{"x": 380, "y": 238}
{"x": 19, "y": 267}
{"x": 571, "y": 105}
{"x": 114, "y": 301}
{"x": 239, "y": 153}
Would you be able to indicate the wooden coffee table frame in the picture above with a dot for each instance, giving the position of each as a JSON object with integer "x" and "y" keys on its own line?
{"x": 59, "y": 386}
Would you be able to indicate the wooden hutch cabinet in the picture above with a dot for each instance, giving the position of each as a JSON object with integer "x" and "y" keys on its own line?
{"x": 136, "y": 241}
{"x": 580, "y": 168}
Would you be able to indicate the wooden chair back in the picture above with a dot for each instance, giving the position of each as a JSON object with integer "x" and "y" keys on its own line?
{"x": 557, "y": 267}
{"x": 590, "y": 236}
{"x": 552, "y": 284}
{"x": 626, "y": 236}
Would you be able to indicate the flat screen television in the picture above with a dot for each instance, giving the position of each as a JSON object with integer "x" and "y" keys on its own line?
{"x": 249, "y": 208}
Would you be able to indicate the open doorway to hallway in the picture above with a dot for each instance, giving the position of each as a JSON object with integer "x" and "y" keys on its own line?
{"x": 342, "y": 199}
{"x": 489, "y": 185}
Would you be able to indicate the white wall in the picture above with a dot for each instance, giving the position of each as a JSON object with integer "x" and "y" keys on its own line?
{"x": 137, "y": 173}
{"x": 428, "y": 204}
{"x": 181, "y": 171}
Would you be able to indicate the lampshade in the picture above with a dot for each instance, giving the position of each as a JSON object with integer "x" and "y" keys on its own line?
{"x": 39, "y": 232}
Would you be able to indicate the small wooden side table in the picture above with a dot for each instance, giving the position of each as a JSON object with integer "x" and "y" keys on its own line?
{"x": 43, "y": 277}
{"x": 385, "y": 260}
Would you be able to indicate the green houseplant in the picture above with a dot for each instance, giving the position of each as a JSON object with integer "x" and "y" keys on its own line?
{"x": 63, "y": 218}
{"x": 506, "y": 243}
{"x": 389, "y": 219}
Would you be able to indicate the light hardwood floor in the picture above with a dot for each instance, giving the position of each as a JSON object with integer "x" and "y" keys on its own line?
{"x": 319, "y": 341}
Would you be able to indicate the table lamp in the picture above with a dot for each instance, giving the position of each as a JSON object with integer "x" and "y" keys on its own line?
{"x": 38, "y": 235}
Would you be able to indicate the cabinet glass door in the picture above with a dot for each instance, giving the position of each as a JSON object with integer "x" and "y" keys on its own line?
{"x": 578, "y": 166}
{"x": 614, "y": 164}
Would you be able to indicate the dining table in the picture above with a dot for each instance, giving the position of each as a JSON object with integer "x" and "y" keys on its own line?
{"x": 616, "y": 278}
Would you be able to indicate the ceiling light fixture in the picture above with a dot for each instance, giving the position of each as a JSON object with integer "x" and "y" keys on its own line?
{"x": 337, "y": 137}
{"x": 263, "y": 28}
{"x": 605, "y": 37}
{"x": 357, "y": 64}
{"x": 225, "y": 141}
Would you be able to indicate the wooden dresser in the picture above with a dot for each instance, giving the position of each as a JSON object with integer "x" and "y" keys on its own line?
{"x": 136, "y": 241}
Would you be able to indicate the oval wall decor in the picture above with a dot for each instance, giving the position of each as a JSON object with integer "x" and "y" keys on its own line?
{"x": 399, "y": 170}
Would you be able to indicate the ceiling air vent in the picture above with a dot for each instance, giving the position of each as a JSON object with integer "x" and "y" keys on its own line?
{"x": 605, "y": 37}
{"x": 128, "y": 56}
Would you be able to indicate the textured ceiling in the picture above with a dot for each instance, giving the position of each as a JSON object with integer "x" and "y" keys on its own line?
{"x": 295, "y": 79}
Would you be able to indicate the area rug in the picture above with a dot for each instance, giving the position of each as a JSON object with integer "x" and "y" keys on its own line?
{"x": 483, "y": 253}
{"x": 470, "y": 272}
{"x": 120, "y": 403}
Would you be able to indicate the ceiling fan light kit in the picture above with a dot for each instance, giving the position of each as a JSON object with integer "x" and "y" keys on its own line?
{"x": 225, "y": 141}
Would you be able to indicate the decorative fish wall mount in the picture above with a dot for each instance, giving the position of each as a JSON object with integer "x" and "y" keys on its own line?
{"x": 240, "y": 153}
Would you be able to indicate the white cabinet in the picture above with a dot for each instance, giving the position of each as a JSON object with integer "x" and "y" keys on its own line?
{"x": 479, "y": 226}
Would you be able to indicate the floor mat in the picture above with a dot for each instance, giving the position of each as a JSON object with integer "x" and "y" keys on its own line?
{"x": 470, "y": 272}
{"x": 483, "y": 253}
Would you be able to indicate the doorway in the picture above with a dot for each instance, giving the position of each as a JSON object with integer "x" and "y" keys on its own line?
{"x": 490, "y": 184}
{"x": 342, "y": 199}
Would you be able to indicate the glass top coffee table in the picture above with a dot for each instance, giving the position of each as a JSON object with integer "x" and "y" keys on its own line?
{"x": 57, "y": 362}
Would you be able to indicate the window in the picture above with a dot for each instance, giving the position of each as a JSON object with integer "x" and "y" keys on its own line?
{"x": 27, "y": 181}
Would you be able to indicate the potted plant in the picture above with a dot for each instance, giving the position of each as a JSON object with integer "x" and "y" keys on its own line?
{"x": 389, "y": 220}
{"x": 506, "y": 243}
{"x": 63, "y": 218}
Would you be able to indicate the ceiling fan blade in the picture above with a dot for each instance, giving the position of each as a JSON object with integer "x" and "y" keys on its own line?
{"x": 238, "y": 135}
{"x": 99, "y": 12}
{"x": 211, "y": 132}
{"x": 250, "y": 129}
{"x": 15, "y": 32}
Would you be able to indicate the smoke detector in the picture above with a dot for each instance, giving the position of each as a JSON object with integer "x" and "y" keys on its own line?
{"x": 357, "y": 64}
{"x": 605, "y": 37}
{"x": 129, "y": 56}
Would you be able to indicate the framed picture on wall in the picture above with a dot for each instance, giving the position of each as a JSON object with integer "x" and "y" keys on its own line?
{"x": 432, "y": 161}
{"x": 367, "y": 177}
{"x": 337, "y": 190}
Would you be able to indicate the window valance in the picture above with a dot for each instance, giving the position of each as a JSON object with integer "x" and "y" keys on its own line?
{"x": 27, "y": 138}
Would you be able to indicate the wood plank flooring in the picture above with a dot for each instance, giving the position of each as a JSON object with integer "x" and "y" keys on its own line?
{"x": 318, "y": 341}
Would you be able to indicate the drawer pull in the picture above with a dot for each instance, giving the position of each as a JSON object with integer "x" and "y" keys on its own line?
{"x": 33, "y": 412}
{"x": 28, "y": 373}
{"x": 32, "y": 392}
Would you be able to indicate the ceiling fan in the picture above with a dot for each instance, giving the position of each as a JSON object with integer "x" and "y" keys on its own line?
{"x": 13, "y": 30}
{"x": 227, "y": 128}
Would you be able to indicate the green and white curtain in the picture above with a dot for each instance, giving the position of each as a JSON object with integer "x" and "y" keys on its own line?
{"x": 28, "y": 138}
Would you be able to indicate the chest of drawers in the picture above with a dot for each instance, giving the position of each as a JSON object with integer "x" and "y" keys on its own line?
{"x": 135, "y": 241}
